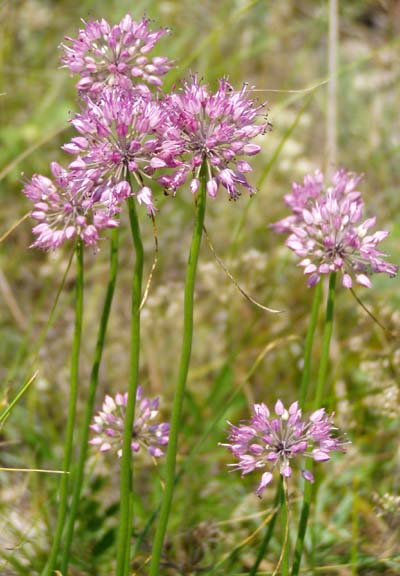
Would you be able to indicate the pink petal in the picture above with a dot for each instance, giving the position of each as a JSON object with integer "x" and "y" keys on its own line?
{"x": 363, "y": 280}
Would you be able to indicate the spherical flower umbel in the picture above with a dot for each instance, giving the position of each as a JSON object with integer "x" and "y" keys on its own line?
{"x": 108, "y": 425}
{"x": 117, "y": 55}
{"x": 328, "y": 232}
{"x": 65, "y": 208}
{"x": 275, "y": 441}
{"x": 304, "y": 194}
{"x": 120, "y": 135}
{"x": 215, "y": 128}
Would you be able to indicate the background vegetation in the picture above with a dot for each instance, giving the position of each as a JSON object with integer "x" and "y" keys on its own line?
{"x": 281, "y": 48}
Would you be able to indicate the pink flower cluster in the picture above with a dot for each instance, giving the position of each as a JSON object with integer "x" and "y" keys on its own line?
{"x": 120, "y": 139}
{"x": 65, "y": 208}
{"x": 328, "y": 232}
{"x": 215, "y": 128}
{"x": 107, "y": 55}
{"x": 274, "y": 442}
{"x": 108, "y": 426}
{"x": 126, "y": 135}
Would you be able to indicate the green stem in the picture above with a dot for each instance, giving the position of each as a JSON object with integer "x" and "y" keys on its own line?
{"x": 87, "y": 417}
{"x": 305, "y": 379}
{"x": 182, "y": 377}
{"x": 305, "y": 511}
{"x": 129, "y": 547}
{"x": 125, "y": 527}
{"x": 269, "y": 531}
{"x": 326, "y": 342}
{"x": 320, "y": 392}
{"x": 285, "y": 530}
{"x": 74, "y": 376}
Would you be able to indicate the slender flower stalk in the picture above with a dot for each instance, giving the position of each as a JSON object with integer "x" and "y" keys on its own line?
{"x": 305, "y": 378}
{"x": 285, "y": 520}
{"x": 207, "y": 135}
{"x": 269, "y": 531}
{"x": 80, "y": 466}
{"x": 331, "y": 130}
{"x": 182, "y": 376}
{"x": 320, "y": 392}
{"x": 125, "y": 526}
{"x": 74, "y": 376}
{"x": 305, "y": 512}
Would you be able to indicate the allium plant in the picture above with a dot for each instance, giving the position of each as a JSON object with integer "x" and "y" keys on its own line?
{"x": 328, "y": 232}
{"x": 215, "y": 128}
{"x": 108, "y": 425}
{"x": 207, "y": 134}
{"x": 274, "y": 441}
{"x": 65, "y": 208}
{"x": 106, "y": 55}
{"x": 120, "y": 136}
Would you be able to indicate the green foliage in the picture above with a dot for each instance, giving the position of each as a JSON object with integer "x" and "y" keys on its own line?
{"x": 277, "y": 46}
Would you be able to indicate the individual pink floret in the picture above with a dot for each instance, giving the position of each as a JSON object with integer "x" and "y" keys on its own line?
{"x": 274, "y": 441}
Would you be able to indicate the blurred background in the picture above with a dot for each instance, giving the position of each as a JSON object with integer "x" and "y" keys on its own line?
{"x": 280, "y": 48}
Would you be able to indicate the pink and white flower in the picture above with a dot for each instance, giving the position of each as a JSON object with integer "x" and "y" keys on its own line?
{"x": 215, "y": 128}
{"x": 274, "y": 441}
{"x": 66, "y": 208}
{"x": 108, "y": 425}
{"x": 118, "y": 55}
{"x": 328, "y": 232}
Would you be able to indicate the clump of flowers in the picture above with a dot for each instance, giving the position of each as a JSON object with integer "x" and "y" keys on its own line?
{"x": 215, "y": 128}
{"x": 300, "y": 196}
{"x": 273, "y": 442}
{"x": 107, "y": 55}
{"x": 108, "y": 425}
{"x": 120, "y": 136}
{"x": 65, "y": 208}
{"x": 328, "y": 232}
